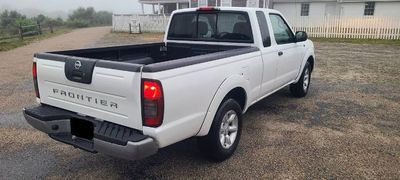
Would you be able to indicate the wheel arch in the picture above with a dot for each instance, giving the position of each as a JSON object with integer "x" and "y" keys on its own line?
{"x": 309, "y": 57}
{"x": 238, "y": 94}
{"x": 235, "y": 87}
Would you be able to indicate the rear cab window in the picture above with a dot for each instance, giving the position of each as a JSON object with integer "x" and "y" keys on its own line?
{"x": 224, "y": 26}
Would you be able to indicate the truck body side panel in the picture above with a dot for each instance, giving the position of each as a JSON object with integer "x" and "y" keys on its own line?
{"x": 189, "y": 91}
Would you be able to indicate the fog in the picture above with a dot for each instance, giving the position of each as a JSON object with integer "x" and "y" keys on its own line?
{"x": 60, "y": 8}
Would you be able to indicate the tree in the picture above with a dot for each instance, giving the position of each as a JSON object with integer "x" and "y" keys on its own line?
{"x": 84, "y": 17}
{"x": 81, "y": 17}
{"x": 103, "y": 18}
{"x": 58, "y": 22}
{"x": 8, "y": 18}
{"x": 10, "y": 21}
{"x": 41, "y": 18}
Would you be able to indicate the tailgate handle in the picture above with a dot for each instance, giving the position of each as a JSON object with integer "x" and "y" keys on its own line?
{"x": 77, "y": 75}
{"x": 79, "y": 69}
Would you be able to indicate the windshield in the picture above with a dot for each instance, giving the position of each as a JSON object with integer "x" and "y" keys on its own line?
{"x": 211, "y": 26}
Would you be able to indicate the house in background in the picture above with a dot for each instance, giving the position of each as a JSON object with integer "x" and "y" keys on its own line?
{"x": 338, "y": 8}
{"x": 289, "y": 8}
{"x": 167, "y": 6}
{"x": 360, "y": 19}
{"x": 365, "y": 19}
{"x": 164, "y": 6}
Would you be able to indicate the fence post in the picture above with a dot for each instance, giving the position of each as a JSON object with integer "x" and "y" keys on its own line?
{"x": 113, "y": 22}
{"x": 39, "y": 28}
{"x": 163, "y": 20}
{"x": 21, "y": 35}
{"x": 326, "y": 27}
{"x": 130, "y": 28}
{"x": 140, "y": 30}
{"x": 51, "y": 27}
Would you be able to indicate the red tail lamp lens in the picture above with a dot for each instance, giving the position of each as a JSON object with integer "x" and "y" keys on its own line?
{"x": 151, "y": 90}
{"x": 152, "y": 103}
{"x": 34, "y": 71}
{"x": 35, "y": 81}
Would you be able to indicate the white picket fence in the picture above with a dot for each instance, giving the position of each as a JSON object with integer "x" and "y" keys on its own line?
{"x": 148, "y": 23}
{"x": 368, "y": 27}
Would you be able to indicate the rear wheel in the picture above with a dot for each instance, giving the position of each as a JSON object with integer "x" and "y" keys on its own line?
{"x": 224, "y": 135}
{"x": 300, "y": 89}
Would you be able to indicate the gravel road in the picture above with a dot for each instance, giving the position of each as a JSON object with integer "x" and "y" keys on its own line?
{"x": 16, "y": 64}
{"x": 347, "y": 127}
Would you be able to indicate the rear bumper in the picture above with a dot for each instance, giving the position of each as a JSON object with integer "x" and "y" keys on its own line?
{"x": 108, "y": 138}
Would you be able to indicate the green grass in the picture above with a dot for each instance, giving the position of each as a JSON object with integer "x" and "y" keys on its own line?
{"x": 358, "y": 41}
{"x": 9, "y": 44}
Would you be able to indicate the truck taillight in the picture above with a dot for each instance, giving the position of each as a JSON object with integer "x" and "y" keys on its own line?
{"x": 35, "y": 81}
{"x": 152, "y": 103}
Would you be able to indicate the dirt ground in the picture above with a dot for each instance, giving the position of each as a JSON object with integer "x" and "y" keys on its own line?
{"x": 347, "y": 127}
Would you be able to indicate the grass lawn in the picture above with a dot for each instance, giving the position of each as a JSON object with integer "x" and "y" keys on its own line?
{"x": 358, "y": 41}
{"x": 9, "y": 44}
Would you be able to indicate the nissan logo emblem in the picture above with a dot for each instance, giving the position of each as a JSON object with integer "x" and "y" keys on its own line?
{"x": 78, "y": 64}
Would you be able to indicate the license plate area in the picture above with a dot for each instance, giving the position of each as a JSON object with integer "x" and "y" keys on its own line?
{"x": 82, "y": 128}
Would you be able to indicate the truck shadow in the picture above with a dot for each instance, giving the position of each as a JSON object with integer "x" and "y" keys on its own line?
{"x": 271, "y": 122}
{"x": 185, "y": 153}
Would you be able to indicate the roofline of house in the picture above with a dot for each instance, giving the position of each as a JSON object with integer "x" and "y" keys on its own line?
{"x": 340, "y": 1}
{"x": 274, "y": 1}
{"x": 161, "y": 1}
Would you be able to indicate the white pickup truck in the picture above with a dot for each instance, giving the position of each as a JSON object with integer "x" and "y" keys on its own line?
{"x": 129, "y": 101}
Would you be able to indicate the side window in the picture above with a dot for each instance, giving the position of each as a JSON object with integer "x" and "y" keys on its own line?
{"x": 282, "y": 32}
{"x": 262, "y": 21}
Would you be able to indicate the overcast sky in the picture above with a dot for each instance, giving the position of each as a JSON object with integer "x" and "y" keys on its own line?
{"x": 116, "y": 6}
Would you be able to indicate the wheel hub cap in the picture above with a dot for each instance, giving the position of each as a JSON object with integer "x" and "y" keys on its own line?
{"x": 229, "y": 128}
{"x": 306, "y": 79}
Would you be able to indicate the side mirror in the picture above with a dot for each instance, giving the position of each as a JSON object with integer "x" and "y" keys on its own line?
{"x": 301, "y": 36}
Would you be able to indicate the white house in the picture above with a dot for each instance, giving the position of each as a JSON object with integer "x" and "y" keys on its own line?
{"x": 339, "y": 8}
{"x": 167, "y": 6}
{"x": 367, "y": 19}
{"x": 291, "y": 7}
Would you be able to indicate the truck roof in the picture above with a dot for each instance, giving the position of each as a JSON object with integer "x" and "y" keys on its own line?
{"x": 243, "y": 9}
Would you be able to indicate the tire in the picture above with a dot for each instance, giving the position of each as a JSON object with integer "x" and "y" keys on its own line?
{"x": 300, "y": 89}
{"x": 221, "y": 141}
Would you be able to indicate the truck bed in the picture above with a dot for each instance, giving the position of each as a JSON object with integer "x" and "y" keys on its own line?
{"x": 148, "y": 54}
{"x": 106, "y": 82}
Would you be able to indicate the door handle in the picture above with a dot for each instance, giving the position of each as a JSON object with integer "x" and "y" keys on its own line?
{"x": 280, "y": 53}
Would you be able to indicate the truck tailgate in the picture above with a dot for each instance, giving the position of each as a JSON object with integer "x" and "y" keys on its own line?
{"x": 109, "y": 94}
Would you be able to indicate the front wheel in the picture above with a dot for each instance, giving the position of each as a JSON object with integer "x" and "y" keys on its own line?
{"x": 224, "y": 135}
{"x": 300, "y": 89}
